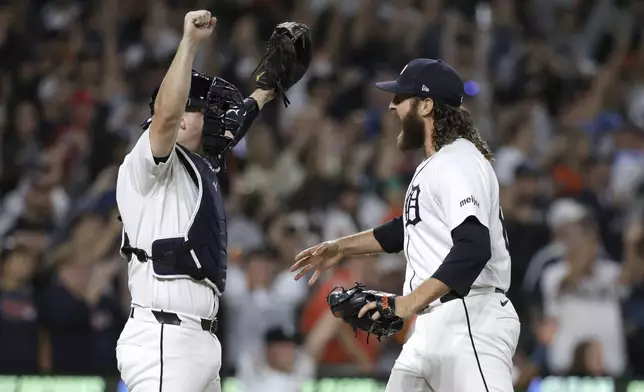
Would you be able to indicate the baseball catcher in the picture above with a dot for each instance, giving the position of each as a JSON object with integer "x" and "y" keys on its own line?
{"x": 172, "y": 209}
{"x": 286, "y": 60}
{"x": 382, "y": 321}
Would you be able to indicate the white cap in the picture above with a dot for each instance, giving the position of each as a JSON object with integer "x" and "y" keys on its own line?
{"x": 565, "y": 211}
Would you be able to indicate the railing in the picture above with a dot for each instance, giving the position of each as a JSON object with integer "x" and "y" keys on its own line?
{"x": 327, "y": 384}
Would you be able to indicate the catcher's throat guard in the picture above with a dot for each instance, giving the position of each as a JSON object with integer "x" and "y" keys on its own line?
{"x": 346, "y": 304}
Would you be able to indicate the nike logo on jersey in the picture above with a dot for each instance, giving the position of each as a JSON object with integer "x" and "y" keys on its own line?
{"x": 468, "y": 200}
{"x": 503, "y": 303}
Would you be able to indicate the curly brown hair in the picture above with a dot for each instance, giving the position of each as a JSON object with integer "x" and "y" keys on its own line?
{"x": 450, "y": 123}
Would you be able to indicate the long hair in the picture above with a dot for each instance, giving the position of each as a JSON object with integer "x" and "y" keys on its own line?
{"x": 579, "y": 367}
{"x": 451, "y": 123}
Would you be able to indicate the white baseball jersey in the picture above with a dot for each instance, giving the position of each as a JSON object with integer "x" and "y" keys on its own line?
{"x": 451, "y": 185}
{"x": 157, "y": 201}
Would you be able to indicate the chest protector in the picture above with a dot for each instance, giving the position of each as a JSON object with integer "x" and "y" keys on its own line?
{"x": 200, "y": 253}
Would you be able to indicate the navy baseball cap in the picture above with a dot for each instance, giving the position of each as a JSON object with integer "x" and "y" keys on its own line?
{"x": 428, "y": 78}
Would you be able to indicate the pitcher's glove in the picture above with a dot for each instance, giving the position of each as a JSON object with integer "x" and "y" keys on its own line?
{"x": 286, "y": 60}
{"x": 346, "y": 304}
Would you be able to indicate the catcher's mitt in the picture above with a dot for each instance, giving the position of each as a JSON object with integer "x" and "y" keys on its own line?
{"x": 286, "y": 60}
{"x": 346, "y": 304}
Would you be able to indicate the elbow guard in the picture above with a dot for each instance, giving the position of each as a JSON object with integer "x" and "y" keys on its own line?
{"x": 467, "y": 258}
{"x": 391, "y": 235}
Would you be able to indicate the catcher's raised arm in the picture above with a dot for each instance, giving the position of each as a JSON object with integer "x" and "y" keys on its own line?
{"x": 170, "y": 103}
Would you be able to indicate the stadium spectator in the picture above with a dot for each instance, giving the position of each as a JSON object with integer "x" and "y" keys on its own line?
{"x": 516, "y": 152}
{"x": 20, "y": 321}
{"x": 588, "y": 360}
{"x": 281, "y": 366}
{"x": 253, "y": 292}
{"x": 582, "y": 293}
{"x": 347, "y": 347}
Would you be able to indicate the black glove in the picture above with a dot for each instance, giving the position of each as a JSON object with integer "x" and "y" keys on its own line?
{"x": 346, "y": 304}
{"x": 286, "y": 60}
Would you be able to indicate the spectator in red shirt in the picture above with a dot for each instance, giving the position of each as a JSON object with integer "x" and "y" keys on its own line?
{"x": 345, "y": 348}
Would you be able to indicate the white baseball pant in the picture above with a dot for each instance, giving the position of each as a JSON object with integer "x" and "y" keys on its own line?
{"x": 154, "y": 357}
{"x": 438, "y": 357}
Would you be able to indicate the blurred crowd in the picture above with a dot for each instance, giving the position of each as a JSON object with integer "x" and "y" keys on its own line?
{"x": 556, "y": 87}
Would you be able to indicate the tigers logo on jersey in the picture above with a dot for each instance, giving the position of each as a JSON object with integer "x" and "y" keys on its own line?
{"x": 412, "y": 209}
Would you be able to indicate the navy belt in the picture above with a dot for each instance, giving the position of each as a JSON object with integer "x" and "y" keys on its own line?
{"x": 173, "y": 319}
{"x": 452, "y": 295}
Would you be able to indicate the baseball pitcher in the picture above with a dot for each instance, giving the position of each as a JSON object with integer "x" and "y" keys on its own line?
{"x": 451, "y": 232}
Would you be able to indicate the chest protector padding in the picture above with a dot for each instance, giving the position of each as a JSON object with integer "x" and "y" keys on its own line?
{"x": 201, "y": 253}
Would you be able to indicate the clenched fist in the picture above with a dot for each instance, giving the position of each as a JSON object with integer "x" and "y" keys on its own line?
{"x": 198, "y": 25}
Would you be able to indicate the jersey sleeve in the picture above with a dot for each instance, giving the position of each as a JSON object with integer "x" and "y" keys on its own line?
{"x": 141, "y": 168}
{"x": 391, "y": 235}
{"x": 462, "y": 191}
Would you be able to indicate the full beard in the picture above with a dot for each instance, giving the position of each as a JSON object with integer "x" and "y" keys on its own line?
{"x": 412, "y": 134}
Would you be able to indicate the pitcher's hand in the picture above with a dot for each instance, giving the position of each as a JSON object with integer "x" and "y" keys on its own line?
{"x": 317, "y": 258}
{"x": 198, "y": 25}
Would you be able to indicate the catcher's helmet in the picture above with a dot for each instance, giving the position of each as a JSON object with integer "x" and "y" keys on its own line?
{"x": 199, "y": 86}
{"x": 223, "y": 106}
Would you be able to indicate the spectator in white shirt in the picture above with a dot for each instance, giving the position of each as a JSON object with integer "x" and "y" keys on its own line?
{"x": 353, "y": 212}
{"x": 516, "y": 152}
{"x": 33, "y": 197}
{"x": 280, "y": 366}
{"x": 582, "y": 294}
{"x": 563, "y": 215}
{"x": 342, "y": 219}
{"x": 252, "y": 290}
{"x": 246, "y": 302}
